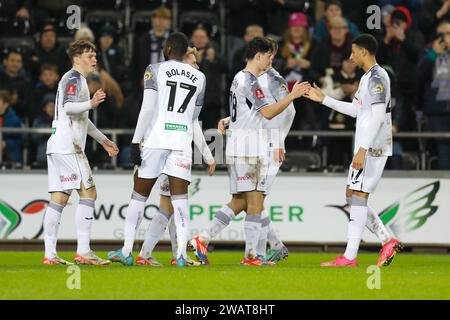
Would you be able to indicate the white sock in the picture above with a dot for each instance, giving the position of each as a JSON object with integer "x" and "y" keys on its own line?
{"x": 221, "y": 220}
{"x": 181, "y": 216}
{"x": 135, "y": 212}
{"x": 52, "y": 218}
{"x": 154, "y": 232}
{"x": 173, "y": 236}
{"x": 83, "y": 220}
{"x": 252, "y": 229}
{"x": 376, "y": 226}
{"x": 358, "y": 219}
{"x": 262, "y": 242}
{"x": 272, "y": 237}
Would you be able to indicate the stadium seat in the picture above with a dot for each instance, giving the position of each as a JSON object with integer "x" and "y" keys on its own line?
{"x": 14, "y": 27}
{"x": 301, "y": 160}
{"x": 410, "y": 161}
{"x": 24, "y": 43}
{"x": 191, "y": 19}
{"x": 433, "y": 163}
{"x": 141, "y": 22}
{"x": 110, "y": 4}
{"x": 97, "y": 19}
{"x": 140, "y": 5}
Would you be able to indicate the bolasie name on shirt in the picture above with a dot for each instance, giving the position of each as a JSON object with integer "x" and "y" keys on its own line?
{"x": 181, "y": 72}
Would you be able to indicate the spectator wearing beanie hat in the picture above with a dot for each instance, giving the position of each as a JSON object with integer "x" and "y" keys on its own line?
{"x": 48, "y": 51}
{"x": 294, "y": 63}
{"x": 295, "y": 50}
{"x": 110, "y": 56}
{"x": 400, "y": 48}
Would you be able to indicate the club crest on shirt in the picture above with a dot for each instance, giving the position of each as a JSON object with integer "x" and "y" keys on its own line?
{"x": 148, "y": 76}
{"x": 284, "y": 87}
{"x": 259, "y": 93}
{"x": 377, "y": 88}
{"x": 71, "y": 89}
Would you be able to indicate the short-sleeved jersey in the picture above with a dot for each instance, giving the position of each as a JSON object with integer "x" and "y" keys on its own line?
{"x": 246, "y": 137}
{"x": 279, "y": 125}
{"x": 180, "y": 93}
{"x": 69, "y": 131}
{"x": 374, "y": 88}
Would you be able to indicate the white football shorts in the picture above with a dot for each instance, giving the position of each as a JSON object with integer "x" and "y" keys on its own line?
{"x": 366, "y": 179}
{"x": 247, "y": 174}
{"x": 66, "y": 172}
{"x": 156, "y": 162}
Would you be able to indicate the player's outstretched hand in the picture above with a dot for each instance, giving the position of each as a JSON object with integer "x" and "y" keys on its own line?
{"x": 315, "y": 94}
{"x": 110, "y": 147}
{"x": 135, "y": 154}
{"x": 211, "y": 167}
{"x": 98, "y": 97}
{"x": 358, "y": 159}
{"x": 300, "y": 89}
{"x": 223, "y": 123}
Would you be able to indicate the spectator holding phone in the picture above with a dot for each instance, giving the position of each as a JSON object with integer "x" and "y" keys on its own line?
{"x": 434, "y": 77}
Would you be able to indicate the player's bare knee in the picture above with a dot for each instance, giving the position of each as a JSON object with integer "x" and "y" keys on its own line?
{"x": 178, "y": 186}
{"x": 60, "y": 198}
{"x": 90, "y": 193}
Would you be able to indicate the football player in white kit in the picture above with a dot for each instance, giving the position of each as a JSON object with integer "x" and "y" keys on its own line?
{"x": 247, "y": 143}
{"x": 173, "y": 98}
{"x": 278, "y": 127}
{"x": 68, "y": 167}
{"x": 164, "y": 217}
{"x": 371, "y": 106}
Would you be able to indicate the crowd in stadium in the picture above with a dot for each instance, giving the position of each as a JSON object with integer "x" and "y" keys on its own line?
{"x": 314, "y": 39}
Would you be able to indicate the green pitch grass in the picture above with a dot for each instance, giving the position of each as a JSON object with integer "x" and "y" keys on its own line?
{"x": 411, "y": 276}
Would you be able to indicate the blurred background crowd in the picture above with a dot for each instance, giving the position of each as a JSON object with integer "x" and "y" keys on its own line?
{"x": 314, "y": 38}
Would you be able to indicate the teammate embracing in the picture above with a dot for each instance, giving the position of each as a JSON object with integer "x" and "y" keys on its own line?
{"x": 277, "y": 129}
{"x": 68, "y": 166}
{"x": 173, "y": 98}
{"x": 371, "y": 107}
{"x": 246, "y": 148}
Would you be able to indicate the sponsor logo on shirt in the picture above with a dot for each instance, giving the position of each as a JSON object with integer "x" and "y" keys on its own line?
{"x": 243, "y": 178}
{"x": 71, "y": 89}
{"x": 259, "y": 93}
{"x": 176, "y": 127}
{"x": 73, "y": 177}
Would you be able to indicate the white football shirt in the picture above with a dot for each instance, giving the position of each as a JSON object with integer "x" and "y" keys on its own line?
{"x": 374, "y": 88}
{"x": 69, "y": 131}
{"x": 180, "y": 92}
{"x": 278, "y": 127}
{"x": 246, "y": 136}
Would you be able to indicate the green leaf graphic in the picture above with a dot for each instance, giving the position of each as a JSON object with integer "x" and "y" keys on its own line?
{"x": 9, "y": 219}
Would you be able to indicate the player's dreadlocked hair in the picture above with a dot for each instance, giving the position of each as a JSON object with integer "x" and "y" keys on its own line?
{"x": 368, "y": 42}
{"x": 257, "y": 45}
